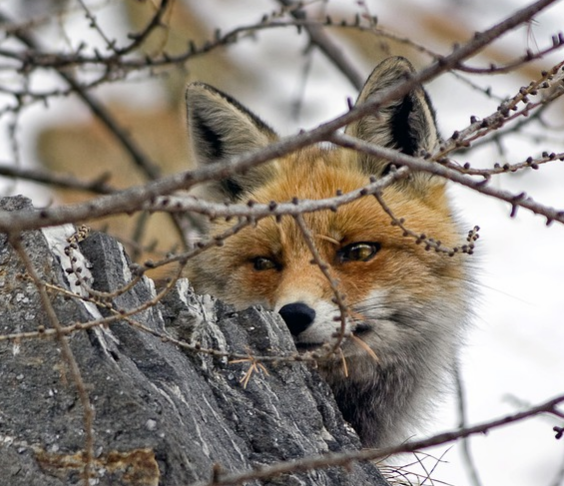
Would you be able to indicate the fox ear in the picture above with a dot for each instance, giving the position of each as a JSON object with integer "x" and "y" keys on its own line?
{"x": 406, "y": 124}
{"x": 219, "y": 128}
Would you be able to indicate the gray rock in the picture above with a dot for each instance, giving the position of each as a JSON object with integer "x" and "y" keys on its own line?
{"x": 164, "y": 415}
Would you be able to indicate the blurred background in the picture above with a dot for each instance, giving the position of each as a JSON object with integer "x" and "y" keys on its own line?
{"x": 515, "y": 351}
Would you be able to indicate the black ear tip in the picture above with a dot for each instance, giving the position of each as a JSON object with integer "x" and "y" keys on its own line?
{"x": 400, "y": 65}
{"x": 200, "y": 86}
{"x": 194, "y": 88}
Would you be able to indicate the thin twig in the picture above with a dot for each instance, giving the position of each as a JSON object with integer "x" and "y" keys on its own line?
{"x": 347, "y": 458}
{"x": 324, "y": 267}
{"x": 468, "y": 459}
{"x": 68, "y": 356}
{"x": 97, "y": 186}
{"x": 319, "y": 38}
{"x": 481, "y": 186}
{"x": 139, "y": 38}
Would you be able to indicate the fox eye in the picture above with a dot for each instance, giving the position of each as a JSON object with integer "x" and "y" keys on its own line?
{"x": 263, "y": 263}
{"x": 358, "y": 252}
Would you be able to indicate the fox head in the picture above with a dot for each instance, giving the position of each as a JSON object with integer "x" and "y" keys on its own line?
{"x": 407, "y": 304}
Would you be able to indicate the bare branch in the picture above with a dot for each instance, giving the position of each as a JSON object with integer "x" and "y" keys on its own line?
{"x": 319, "y": 38}
{"x": 97, "y": 186}
{"x": 346, "y": 459}
{"x": 68, "y": 356}
{"x": 481, "y": 186}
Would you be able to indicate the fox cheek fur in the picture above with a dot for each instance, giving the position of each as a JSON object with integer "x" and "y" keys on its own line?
{"x": 410, "y": 306}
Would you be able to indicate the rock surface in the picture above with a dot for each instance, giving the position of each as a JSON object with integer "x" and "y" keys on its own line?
{"x": 163, "y": 415}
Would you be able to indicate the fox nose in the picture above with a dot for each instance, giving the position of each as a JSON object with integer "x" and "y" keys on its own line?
{"x": 297, "y": 316}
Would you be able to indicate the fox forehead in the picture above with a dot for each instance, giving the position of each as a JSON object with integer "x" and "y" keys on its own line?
{"x": 319, "y": 173}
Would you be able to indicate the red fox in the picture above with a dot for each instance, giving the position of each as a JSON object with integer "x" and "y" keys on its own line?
{"x": 408, "y": 305}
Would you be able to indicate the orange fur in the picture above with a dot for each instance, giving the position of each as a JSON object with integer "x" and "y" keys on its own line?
{"x": 316, "y": 174}
{"x": 406, "y": 305}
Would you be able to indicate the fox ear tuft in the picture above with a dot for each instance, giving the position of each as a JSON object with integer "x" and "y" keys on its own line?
{"x": 406, "y": 124}
{"x": 220, "y": 128}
